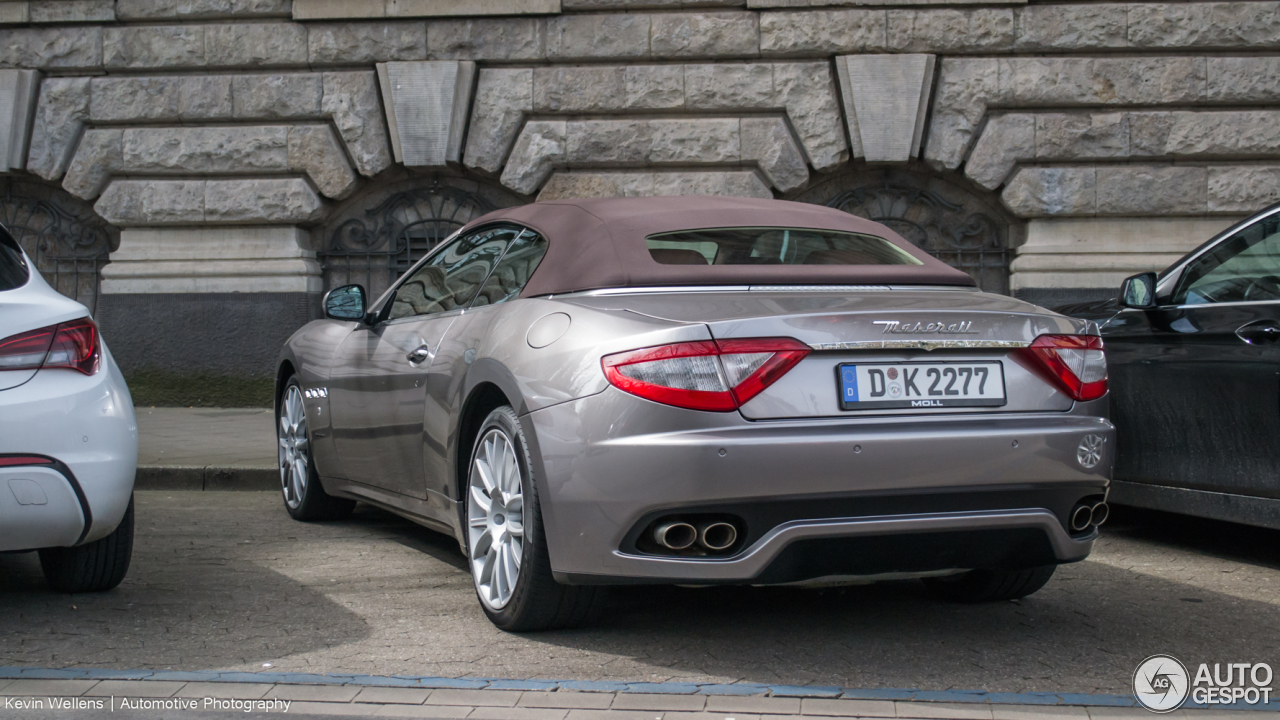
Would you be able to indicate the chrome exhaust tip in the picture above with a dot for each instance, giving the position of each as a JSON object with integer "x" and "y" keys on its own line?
{"x": 675, "y": 535}
{"x": 1099, "y": 513}
{"x": 1081, "y": 517}
{"x": 717, "y": 535}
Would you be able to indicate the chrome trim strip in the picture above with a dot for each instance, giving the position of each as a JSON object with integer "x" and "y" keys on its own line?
{"x": 819, "y": 288}
{"x": 1198, "y": 306}
{"x": 756, "y": 558}
{"x": 764, "y": 288}
{"x": 670, "y": 289}
{"x": 927, "y": 345}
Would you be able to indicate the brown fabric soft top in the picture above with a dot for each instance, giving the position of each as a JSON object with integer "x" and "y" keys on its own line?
{"x": 600, "y": 243}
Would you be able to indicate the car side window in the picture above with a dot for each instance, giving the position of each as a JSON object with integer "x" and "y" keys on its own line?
{"x": 514, "y": 270}
{"x": 1243, "y": 268}
{"x": 450, "y": 279}
{"x": 13, "y": 268}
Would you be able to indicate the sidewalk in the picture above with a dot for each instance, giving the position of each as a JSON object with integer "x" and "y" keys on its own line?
{"x": 374, "y": 696}
{"x": 206, "y": 449}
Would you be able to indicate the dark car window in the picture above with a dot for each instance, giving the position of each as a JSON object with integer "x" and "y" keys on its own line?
{"x": 774, "y": 246}
{"x": 513, "y": 270}
{"x": 451, "y": 277}
{"x": 1243, "y": 268}
{"x": 13, "y": 267}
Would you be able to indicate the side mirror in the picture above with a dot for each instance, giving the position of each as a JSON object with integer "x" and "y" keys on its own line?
{"x": 345, "y": 303}
{"x": 1139, "y": 291}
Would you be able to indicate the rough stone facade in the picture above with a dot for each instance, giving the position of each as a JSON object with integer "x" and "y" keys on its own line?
{"x": 236, "y": 148}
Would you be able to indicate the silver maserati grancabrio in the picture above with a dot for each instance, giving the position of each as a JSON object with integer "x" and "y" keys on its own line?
{"x": 701, "y": 390}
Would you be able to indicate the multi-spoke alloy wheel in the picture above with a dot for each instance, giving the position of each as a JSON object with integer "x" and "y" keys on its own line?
{"x": 295, "y": 452}
{"x": 495, "y": 519}
{"x": 505, "y": 542}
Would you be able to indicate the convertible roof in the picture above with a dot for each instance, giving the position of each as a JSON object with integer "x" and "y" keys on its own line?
{"x": 600, "y": 243}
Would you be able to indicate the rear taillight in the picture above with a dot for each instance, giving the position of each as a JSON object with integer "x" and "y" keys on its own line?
{"x": 1075, "y": 363}
{"x": 14, "y": 460}
{"x": 72, "y": 345}
{"x": 716, "y": 375}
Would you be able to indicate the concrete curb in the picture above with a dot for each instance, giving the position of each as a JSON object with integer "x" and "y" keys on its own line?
{"x": 172, "y": 477}
{"x": 973, "y": 697}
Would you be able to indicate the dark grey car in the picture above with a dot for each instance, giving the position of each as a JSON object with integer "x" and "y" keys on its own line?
{"x": 701, "y": 391}
{"x": 1196, "y": 367}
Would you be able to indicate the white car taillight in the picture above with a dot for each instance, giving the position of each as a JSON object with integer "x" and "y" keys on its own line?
{"x": 1075, "y": 363}
{"x": 716, "y": 375}
{"x": 73, "y": 345}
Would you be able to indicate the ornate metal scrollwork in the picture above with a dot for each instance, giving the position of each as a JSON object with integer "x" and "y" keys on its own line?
{"x": 375, "y": 246}
{"x": 954, "y": 228}
{"x": 67, "y": 240}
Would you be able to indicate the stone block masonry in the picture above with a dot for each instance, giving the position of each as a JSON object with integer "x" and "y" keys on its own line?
{"x": 995, "y": 119}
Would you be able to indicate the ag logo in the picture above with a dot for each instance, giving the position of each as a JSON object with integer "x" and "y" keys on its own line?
{"x": 1161, "y": 683}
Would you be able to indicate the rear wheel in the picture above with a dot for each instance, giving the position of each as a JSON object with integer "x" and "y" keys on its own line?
{"x": 92, "y": 567}
{"x": 977, "y": 586}
{"x": 304, "y": 496}
{"x": 506, "y": 546}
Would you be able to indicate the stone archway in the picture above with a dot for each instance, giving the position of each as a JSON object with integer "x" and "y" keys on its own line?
{"x": 946, "y": 219}
{"x": 375, "y": 237}
{"x": 68, "y": 242}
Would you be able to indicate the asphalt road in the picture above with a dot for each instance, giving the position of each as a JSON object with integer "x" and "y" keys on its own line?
{"x": 225, "y": 580}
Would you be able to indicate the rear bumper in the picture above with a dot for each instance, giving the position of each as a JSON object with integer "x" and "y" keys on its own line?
{"x": 808, "y": 549}
{"x": 41, "y": 506}
{"x": 87, "y": 425}
{"x": 844, "y": 495}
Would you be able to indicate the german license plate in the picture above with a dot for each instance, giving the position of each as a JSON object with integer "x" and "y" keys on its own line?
{"x": 865, "y": 386}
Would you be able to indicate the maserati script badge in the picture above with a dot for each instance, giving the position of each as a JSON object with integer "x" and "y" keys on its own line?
{"x": 894, "y": 327}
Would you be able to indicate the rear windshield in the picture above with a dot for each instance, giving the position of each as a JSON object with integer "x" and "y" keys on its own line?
{"x": 774, "y": 246}
{"x": 13, "y": 268}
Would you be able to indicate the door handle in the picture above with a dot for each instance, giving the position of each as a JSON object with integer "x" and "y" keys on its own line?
{"x": 419, "y": 355}
{"x": 1259, "y": 332}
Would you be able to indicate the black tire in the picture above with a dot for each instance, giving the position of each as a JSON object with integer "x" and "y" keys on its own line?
{"x": 315, "y": 504}
{"x": 92, "y": 567}
{"x": 537, "y": 602}
{"x": 979, "y": 586}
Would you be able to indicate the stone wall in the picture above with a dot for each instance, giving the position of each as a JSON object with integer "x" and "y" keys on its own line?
{"x": 1103, "y": 138}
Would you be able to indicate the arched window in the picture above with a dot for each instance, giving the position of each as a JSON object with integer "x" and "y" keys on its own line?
{"x": 948, "y": 221}
{"x": 376, "y": 237}
{"x": 67, "y": 241}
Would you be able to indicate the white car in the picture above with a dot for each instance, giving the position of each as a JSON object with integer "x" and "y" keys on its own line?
{"x": 68, "y": 437}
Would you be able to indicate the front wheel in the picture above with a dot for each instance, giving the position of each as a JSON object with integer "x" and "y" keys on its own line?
{"x": 506, "y": 546}
{"x": 977, "y": 586}
{"x": 304, "y": 496}
{"x": 92, "y": 567}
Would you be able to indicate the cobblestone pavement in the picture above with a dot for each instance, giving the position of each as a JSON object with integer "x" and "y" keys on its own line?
{"x": 225, "y": 580}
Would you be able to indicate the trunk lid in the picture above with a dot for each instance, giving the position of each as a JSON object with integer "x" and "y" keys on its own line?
{"x": 916, "y": 327}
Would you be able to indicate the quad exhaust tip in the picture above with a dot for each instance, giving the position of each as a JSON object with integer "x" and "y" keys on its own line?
{"x": 1099, "y": 514}
{"x": 1085, "y": 516}
{"x": 717, "y": 535}
{"x": 675, "y": 535}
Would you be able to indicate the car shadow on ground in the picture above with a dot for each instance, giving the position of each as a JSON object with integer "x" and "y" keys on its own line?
{"x": 1084, "y": 632}
{"x": 227, "y": 580}
{"x": 184, "y": 604}
{"x": 1225, "y": 540}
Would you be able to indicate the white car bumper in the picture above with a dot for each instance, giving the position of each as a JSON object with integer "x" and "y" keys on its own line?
{"x": 82, "y": 438}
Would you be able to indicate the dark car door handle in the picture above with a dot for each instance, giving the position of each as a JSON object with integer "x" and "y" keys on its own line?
{"x": 1259, "y": 332}
{"x": 419, "y": 355}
